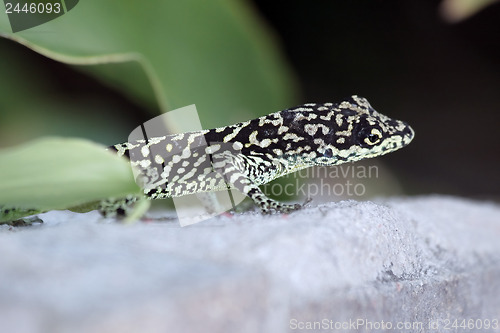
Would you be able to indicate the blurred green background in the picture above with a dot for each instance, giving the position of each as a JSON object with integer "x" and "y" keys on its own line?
{"x": 240, "y": 59}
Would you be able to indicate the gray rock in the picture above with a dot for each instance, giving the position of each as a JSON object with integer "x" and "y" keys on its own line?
{"x": 357, "y": 265}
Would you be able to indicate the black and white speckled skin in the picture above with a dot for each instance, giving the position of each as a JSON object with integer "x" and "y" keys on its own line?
{"x": 249, "y": 154}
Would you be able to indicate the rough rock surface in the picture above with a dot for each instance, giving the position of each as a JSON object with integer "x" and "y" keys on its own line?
{"x": 338, "y": 267}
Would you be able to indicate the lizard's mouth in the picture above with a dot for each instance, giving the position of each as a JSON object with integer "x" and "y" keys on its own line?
{"x": 398, "y": 141}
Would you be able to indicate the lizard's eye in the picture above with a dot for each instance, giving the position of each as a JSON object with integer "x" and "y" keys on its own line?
{"x": 370, "y": 136}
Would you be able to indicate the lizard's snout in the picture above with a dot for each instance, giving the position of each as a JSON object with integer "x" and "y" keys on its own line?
{"x": 408, "y": 134}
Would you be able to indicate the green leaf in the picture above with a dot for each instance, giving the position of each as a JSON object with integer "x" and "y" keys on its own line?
{"x": 216, "y": 54}
{"x": 56, "y": 173}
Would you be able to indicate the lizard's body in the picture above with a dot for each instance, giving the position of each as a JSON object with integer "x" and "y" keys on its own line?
{"x": 249, "y": 154}
{"x": 252, "y": 153}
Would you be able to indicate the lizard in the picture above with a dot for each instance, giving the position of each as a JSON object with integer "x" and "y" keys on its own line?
{"x": 248, "y": 154}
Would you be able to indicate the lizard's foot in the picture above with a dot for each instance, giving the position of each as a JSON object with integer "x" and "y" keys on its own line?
{"x": 19, "y": 216}
{"x": 117, "y": 208}
{"x": 278, "y": 207}
{"x": 26, "y": 221}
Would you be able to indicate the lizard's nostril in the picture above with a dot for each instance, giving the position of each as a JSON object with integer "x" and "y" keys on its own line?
{"x": 410, "y": 132}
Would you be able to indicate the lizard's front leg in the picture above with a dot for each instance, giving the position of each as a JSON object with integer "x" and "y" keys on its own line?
{"x": 266, "y": 204}
{"x": 232, "y": 168}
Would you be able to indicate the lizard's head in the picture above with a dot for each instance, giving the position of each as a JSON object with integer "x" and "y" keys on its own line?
{"x": 357, "y": 131}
